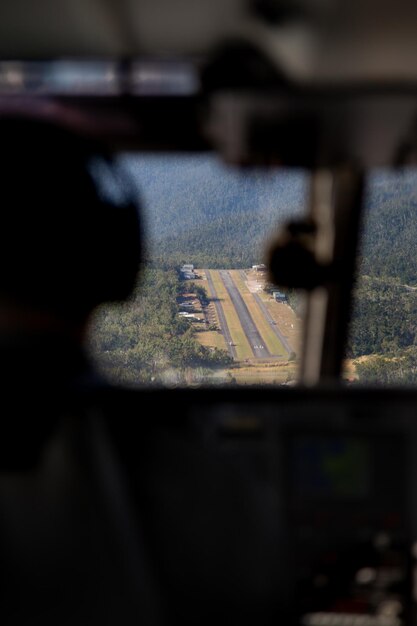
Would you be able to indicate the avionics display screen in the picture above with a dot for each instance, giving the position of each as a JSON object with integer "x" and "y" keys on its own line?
{"x": 331, "y": 467}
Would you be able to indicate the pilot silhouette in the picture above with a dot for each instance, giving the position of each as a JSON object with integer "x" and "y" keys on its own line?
{"x": 70, "y": 240}
{"x": 65, "y": 247}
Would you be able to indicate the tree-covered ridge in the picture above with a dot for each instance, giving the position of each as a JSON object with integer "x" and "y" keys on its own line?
{"x": 145, "y": 341}
{"x": 384, "y": 320}
{"x": 389, "y": 231}
{"x": 235, "y": 241}
{"x": 197, "y": 208}
{"x": 384, "y": 317}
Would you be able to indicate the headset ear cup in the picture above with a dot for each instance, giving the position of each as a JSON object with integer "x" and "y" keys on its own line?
{"x": 121, "y": 252}
{"x": 106, "y": 259}
{"x": 66, "y": 246}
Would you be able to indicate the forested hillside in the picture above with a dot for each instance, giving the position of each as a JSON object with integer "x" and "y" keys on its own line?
{"x": 385, "y": 311}
{"x": 389, "y": 230}
{"x": 198, "y": 209}
{"x": 385, "y": 317}
{"x": 145, "y": 341}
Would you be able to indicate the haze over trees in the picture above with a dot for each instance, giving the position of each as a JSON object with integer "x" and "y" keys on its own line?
{"x": 199, "y": 210}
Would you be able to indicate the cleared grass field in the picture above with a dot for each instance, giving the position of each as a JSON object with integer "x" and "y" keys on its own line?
{"x": 212, "y": 339}
{"x": 242, "y": 346}
{"x": 253, "y": 375}
{"x": 271, "y": 340}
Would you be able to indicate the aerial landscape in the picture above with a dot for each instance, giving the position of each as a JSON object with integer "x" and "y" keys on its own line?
{"x": 248, "y": 319}
{"x": 205, "y": 312}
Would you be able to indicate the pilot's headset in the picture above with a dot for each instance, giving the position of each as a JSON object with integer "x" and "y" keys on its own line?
{"x": 70, "y": 235}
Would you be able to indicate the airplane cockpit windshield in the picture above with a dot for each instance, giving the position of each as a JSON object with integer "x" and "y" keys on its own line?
{"x": 206, "y": 310}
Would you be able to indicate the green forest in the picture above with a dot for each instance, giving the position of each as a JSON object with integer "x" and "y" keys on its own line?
{"x": 145, "y": 341}
{"x": 231, "y": 241}
{"x": 384, "y": 315}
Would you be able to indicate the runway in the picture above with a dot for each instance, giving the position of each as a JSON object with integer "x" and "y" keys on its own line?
{"x": 249, "y": 328}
